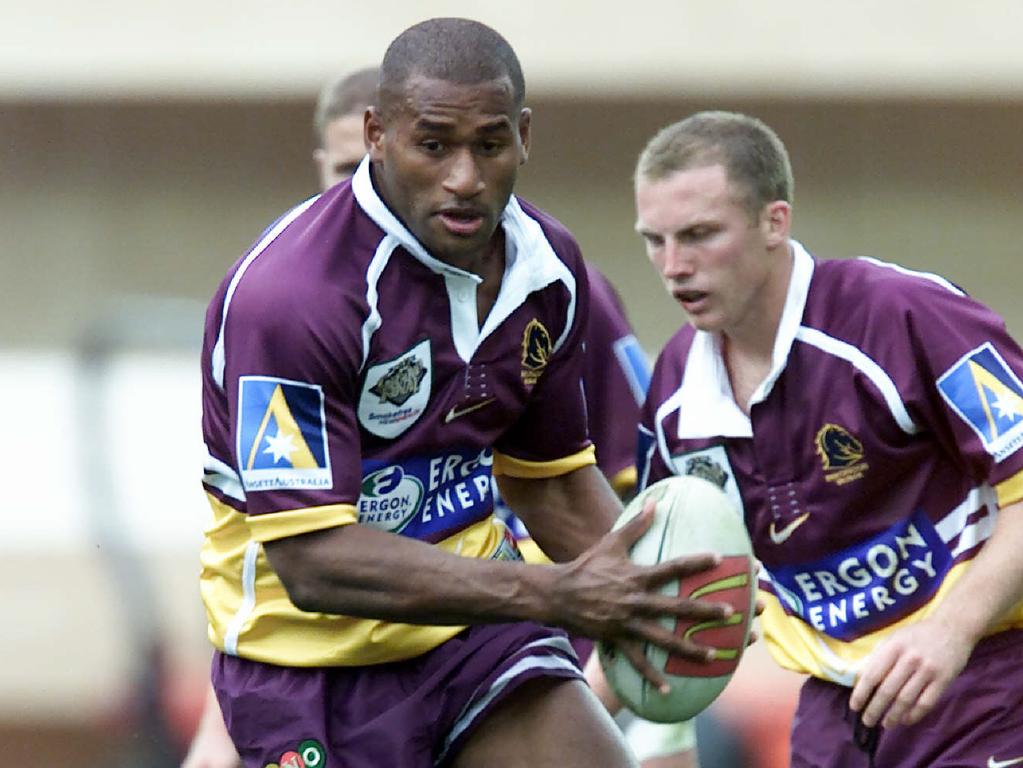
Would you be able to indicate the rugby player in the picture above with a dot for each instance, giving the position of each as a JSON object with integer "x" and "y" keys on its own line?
{"x": 868, "y": 420}
{"x": 379, "y": 352}
{"x": 616, "y": 375}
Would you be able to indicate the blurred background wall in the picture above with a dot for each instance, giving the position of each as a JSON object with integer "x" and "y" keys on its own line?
{"x": 143, "y": 146}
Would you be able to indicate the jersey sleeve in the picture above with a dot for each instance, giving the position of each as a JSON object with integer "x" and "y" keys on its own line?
{"x": 550, "y": 437}
{"x": 970, "y": 392}
{"x": 650, "y": 463}
{"x": 616, "y": 376}
{"x": 290, "y": 386}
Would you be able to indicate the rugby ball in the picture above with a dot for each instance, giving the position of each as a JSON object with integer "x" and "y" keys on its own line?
{"x": 692, "y": 516}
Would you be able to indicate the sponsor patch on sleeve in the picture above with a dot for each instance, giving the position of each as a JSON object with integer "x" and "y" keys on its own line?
{"x": 988, "y": 396}
{"x": 282, "y": 435}
{"x": 634, "y": 364}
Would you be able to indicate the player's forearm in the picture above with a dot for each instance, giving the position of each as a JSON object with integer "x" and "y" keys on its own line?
{"x": 359, "y": 571}
{"x": 565, "y": 515}
{"x": 994, "y": 581}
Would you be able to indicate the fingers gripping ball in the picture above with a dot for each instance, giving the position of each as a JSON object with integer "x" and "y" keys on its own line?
{"x": 692, "y": 516}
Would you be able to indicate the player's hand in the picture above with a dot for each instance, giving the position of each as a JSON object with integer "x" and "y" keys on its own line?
{"x": 604, "y": 595}
{"x": 211, "y": 745}
{"x": 211, "y": 750}
{"x": 904, "y": 676}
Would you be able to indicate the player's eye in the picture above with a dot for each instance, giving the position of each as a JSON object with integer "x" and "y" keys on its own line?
{"x": 696, "y": 234}
{"x": 431, "y": 146}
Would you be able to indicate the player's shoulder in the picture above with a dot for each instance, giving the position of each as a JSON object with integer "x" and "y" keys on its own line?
{"x": 671, "y": 361}
{"x": 326, "y": 237}
{"x": 312, "y": 260}
{"x": 865, "y": 285}
{"x": 561, "y": 240}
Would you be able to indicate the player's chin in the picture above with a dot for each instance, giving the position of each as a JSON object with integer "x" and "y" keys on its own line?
{"x": 453, "y": 246}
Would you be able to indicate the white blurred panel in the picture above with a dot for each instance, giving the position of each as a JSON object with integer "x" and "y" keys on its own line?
{"x": 40, "y": 505}
{"x": 155, "y": 410}
{"x": 151, "y": 443}
{"x": 793, "y": 47}
{"x": 81, "y": 578}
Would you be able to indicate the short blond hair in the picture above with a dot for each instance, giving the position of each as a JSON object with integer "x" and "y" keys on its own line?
{"x": 753, "y": 156}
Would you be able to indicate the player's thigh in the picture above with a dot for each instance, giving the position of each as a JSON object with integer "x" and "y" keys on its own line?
{"x": 547, "y": 721}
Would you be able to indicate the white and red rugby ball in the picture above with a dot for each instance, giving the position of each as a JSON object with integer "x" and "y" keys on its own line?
{"x": 693, "y": 515}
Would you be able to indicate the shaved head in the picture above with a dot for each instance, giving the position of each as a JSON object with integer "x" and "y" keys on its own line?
{"x": 454, "y": 50}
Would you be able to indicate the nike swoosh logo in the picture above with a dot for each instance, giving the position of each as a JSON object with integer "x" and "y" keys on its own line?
{"x": 992, "y": 763}
{"x": 456, "y": 412}
{"x": 780, "y": 537}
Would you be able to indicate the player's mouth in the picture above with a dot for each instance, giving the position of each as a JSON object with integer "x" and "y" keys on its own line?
{"x": 691, "y": 301}
{"x": 463, "y": 222}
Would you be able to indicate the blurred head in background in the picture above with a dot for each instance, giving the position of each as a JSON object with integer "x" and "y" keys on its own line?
{"x": 338, "y": 124}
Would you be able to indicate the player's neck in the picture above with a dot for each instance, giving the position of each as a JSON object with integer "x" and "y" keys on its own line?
{"x": 491, "y": 268}
{"x": 748, "y": 347}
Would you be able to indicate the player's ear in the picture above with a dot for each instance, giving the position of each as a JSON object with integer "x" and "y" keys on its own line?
{"x": 776, "y": 222}
{"x": 525, "y": 118}
{"x": 373, "y": 133}
{"x": 320, "y": 161}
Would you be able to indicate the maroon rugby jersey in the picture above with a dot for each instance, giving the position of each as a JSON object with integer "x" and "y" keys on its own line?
{"x": 346, "y": 379}
{"x": 875, "y": 456}
{"x": 616, "y": 375}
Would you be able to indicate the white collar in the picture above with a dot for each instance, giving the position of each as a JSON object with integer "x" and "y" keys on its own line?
{"x": 531, "y": 263}
{"x": 707, "y": 407}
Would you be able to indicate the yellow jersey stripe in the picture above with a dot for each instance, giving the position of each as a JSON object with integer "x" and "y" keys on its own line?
{"x": 250, "y": 614}
{"x": 291, "y": 522}
{"x": 1010, "y": 491}
{"x": 624, "y": 482}
{"x": 796, "y": 645}
{"x": 533, "y": 470}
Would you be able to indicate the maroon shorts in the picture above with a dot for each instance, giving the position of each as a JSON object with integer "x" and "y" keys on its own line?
{"x": 977, "y": 722}
{"x": 407, "y": 714}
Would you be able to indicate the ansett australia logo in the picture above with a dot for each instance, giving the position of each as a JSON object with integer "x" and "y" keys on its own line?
{"x": 395, "y": 392}
{"x": 536, "y": 351}
{"x": 841, "y": 454}
{"x": 988, "y": 396}
{"x": 282, "y": 434}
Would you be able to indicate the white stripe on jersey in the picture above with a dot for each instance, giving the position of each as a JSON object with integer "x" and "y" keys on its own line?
{"x": 673, "y": 403}
{"x": 217, "y": 358}
{"x": 222, "y": 477}
{"x": 644, "y": 470}
{"x": 530, "y": 662}
{"x": 914, "y": 273}
{"x": 234, "y": 628}
{"x": 954, "y": 523}
{"x": 866, "y": 365}
{"x": 376, "y": 268}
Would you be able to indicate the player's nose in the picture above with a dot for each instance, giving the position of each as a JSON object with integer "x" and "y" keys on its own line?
{"x": 463, "y": 175}
{"x": 676, "y": 262}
